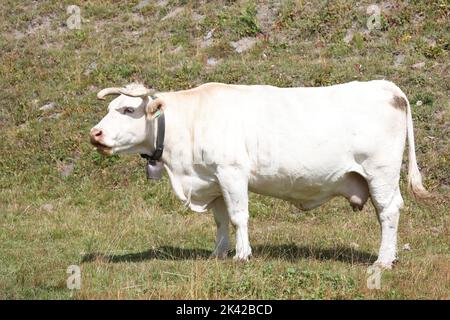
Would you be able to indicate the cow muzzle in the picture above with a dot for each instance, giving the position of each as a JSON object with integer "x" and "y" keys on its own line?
{"x": 96, "y": 138}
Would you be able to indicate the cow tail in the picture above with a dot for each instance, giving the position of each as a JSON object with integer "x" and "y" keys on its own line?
{"x": 415, "y": 185}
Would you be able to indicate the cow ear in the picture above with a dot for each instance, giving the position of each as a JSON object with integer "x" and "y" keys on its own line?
{"x": 155, "y": 108}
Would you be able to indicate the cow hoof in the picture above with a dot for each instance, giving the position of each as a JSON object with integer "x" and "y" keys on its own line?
{"x": 383, "y": 265}
{"x": 242, "y": 257}
{"x": 219, "y": 254}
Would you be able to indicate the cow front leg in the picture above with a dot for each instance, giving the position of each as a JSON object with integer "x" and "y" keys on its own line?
{"x": 222, "y": 221}
{"x": 234, "y": 186}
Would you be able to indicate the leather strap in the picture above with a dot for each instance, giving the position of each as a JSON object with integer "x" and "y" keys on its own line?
{"x": 157, "y": 154}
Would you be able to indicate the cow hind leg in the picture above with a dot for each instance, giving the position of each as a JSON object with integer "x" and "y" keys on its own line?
{"x": 386, "y": 197}
{"x": 222, "y": 221}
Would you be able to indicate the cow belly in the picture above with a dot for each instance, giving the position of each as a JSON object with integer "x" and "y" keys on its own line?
{"x": 306, "y": 193}
{"x": 303, "y": 195}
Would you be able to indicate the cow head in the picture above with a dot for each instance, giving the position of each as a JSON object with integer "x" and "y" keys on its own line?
{"x": 127, "y": 127}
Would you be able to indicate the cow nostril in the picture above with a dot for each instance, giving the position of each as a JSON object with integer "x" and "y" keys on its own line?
{"x": 96, "y": 133}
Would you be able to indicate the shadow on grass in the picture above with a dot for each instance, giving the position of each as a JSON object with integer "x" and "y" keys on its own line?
{"x": 292, "y": 252}
{"x": 160, "y": 253}
{"x": 288, "y": 252}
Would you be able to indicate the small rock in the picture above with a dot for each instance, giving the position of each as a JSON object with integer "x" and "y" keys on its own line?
{"x": 51, "y": 116}
{"x": 431, "y": 42}
{"x": 141, "y": 4}
{"x": 174, "y": 13}
{"x": 55, "y": 116}
{"x": 387, "y": 6}
{"x": 67, "y": 169}
{"x": 48, "y": 106}
{"x": 212, "y": 62}
{"x": 398, "y": 60}
{"x": 208, "y": 39}
{"x": 435, "y": 230}
{"x": 90, "y": 68}
{"x": 35, "y": 102}
{"x": 266, "y": 17}
{"x": 18, "y": 35}
{"x": 209, "y": 34}
{"x": 197, "y": 17}
{"x": 138, "y": 18}
{"x": 419, "y": 65}
{"x": 418, "y": 18}
{"x": 407, "y": 247}
{"x": 47, "y": 207}
{"x": 354, "y": 245}
{"x": 206, "y": 43}
{"x": 348, "y": 36}
{"x": 243, "y": 44}
{"x": 419, "y": 103}
{"x": 177, "y": 49}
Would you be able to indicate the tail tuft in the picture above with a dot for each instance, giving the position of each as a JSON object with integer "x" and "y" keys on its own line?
{"x": 416, "y": 187}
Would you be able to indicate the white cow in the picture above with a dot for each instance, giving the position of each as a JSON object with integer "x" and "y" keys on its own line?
{"x": 303, "y": 145}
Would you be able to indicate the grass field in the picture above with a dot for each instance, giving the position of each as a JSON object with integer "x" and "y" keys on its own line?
{"x": 63, "y": 204}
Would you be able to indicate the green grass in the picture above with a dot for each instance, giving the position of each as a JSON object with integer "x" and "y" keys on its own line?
{"x": 132, "y": 238}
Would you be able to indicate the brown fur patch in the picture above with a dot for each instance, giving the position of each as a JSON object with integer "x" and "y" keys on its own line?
{"x": 399, "y": 103}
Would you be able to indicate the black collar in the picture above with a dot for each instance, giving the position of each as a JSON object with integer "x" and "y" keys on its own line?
{"x": 157, "y": 154}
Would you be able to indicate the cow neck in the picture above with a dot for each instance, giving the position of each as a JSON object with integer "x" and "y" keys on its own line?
{"x": 159, "y": 147}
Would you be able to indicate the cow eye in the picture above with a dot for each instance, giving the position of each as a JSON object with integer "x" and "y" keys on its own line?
{"x": 128, "y": 110}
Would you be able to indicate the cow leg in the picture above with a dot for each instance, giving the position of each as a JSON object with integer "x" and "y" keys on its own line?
{"x": 222, "y": 221}
{"x": 234, "y": 186}
{"x": 387, "y": 201}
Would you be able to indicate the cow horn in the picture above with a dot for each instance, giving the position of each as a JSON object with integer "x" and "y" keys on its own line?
{"x": 133, "y": 92}
{"x": 107, "y": 91}
{"x": 137, "y": 92}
